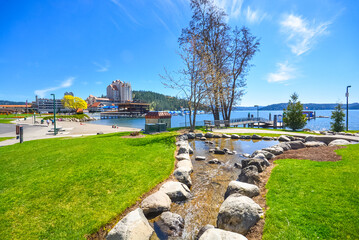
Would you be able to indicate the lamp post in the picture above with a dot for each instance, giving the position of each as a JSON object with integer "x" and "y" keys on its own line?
{"x": 347, "y": 95}
{"x": 55, "y": 132}
{"x": 257, "y": 114}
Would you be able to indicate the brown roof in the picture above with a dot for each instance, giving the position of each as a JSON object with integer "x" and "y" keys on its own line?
{"x": 96, "y": 104}
{"x": 157, "y": 115}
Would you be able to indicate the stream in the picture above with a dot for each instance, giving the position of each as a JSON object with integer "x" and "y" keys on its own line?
{"x": 210, "y": 181}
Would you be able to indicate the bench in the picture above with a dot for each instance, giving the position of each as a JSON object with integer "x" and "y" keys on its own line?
{"x": 208, "y": 124}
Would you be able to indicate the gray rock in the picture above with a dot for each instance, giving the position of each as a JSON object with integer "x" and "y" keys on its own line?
{"x": 314, "y": 144}
{"x": 200, "y": 158}
{"x": 176, "y": 191}
{"x": 219, "y": 234}
{"x": 170, "y": 224}
{"x": 183, "y": 149}
{"x": 216, "y": 136}
{"x": 209, "y": 135}
{"x": 284, "y": 138}
{"x": 249, "y": 174}
{"x": 182, "y": 174}
{"x": 155, "y": 204}
{"x": 296, "y": 144}
{"x": 203, "y": 139}
{"x": 219, "y": 151}
{"x": 246, "y": 155}
{"x": 285, "y": 146}
{"x": 226, "y": 136}
{"x": 254, "y": 136}
{"x": 186, "y": 164}
{"x": 237, "y": 165}
{"x": 267, "y": 154}
{"x": 203, "y": 229}
{"x": 183, "y": 137}
{"x": 199, "y": 135}
{"x": 234, "y": 136}
{"x": 214, "y": 161}
{"x": 338, "y": 142}
{"x": 191, "y": 135}
{"x": 256, "y": 162}
{"x": 238, "y": 214}
{"x": 276, "y": 150}
{"x": 259, "y": 156}
{"x": 245, "y": 137}
{"x": 211, "y": 150}
{"x": 267, "y": 138}
{"x": 226, "y": 149}
{"x": 183, "y": 156}
{"x": 134, "y": 226}
{"x": 246, "y": 189}
{"x": 230, "y": 153}
{"x": 99, "y": 133}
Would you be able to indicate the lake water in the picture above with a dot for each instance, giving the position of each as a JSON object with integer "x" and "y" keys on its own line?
{"x": 181, "y": 121}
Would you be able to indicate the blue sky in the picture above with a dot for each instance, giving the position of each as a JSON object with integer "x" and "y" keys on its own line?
{"x": 309, "y": 47}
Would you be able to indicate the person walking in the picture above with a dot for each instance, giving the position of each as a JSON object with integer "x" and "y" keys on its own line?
{"x": 48, "y": 122}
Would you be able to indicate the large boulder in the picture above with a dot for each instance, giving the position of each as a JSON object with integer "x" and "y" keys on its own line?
{"x": 170, "y": 225}
{"x": 216, "y": 136}
{"x": 267, "y": 155}
{"x": 155, "y": 204}
{"x": 199, "y": 135}
{"x": 200, "y": 158}
{"x": 176, "y": 191}
{"x": 209, "y": 135}
{"x": 246, "y": 189}
{"x": 219, "y": 234}
{"x": 183, "y": 156}
{"x": 226, "y": 136}
{"x": 186, "y": 164}
{"x": 254, "y": 136}
{"x": 267, "y": 138}
{"x": 214, "y": 161}
{"x": 285, "y": 146}
{"x": 182, "y": 174}
{"x": 134, "y": 226}
{"x": 284, "y": 138}
{"x": 296, "y": 144}
{"x": 258, "y": 163}
{"x": 249, "y": 175}
{"x": 338, "y": 142}
{"x": 314, "y": 144}
{"x": 183, "y": 149}
{"x": 191, "y": 135}
{"x": 203, "y": 229}
{"x": 234, "y": 136}
{"x": 245, "y": 137}
{"x": 238, "y": 214}
{"x": 276, "y": 150}
{"x": 219, "y": 151}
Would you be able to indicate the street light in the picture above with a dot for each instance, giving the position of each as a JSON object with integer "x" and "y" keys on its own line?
{"x": 55, "y": 132}
{"x": 257, "y": 110}
{"x": 347, "y": 95}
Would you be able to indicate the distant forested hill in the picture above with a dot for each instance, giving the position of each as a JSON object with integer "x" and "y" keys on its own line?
{"x": 310, "y": 106}
{"x": 159, "y": 101}
{"x": 6, "y": 102}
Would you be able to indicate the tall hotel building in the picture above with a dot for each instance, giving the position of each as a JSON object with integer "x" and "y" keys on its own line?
{"x": 119, "y": 91}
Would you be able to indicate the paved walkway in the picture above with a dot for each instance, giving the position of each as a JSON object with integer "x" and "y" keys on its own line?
{"x": 41, "y": 131}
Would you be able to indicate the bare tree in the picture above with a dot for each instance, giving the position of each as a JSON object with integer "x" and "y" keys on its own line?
{"x": 191, "y": 78}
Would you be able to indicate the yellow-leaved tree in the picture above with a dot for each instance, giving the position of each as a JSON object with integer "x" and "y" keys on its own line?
{"x": 74, "y": 103}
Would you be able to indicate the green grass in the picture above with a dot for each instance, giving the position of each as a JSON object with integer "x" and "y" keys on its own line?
{"x": 17, "y": 115}
{"x": 5, "y": 138}
{"x": 6, "y": 121}
{"x": 352, "y": 131}
{"x": 77, "y": 116}
{"x": 314, "y": 200}
{"x": 67, "y": 188}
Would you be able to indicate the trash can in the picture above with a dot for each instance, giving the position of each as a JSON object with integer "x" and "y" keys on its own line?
{"x": 42, "y": 121}
{"x": 25, "y": 118}
{"x": 161, "y": 127}
{"x": 151, "y": 128}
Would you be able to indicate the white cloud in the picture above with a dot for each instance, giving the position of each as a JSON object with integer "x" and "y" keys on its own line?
{"x": 301, "y": 34}
{"x": 284, "y": 73}
{"x": 254, "y": 16}
{"x": 66, "y": 83}
{"x": 232, "y": 7}
{"x": 102, "y": 68}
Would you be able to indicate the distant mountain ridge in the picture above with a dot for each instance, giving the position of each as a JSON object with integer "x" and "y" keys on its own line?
{"x": 6, "y": 102}
{"x": 309, "y": 106}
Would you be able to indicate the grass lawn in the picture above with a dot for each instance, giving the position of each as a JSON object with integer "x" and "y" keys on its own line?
{"x": 69, "y": 187}
{"x": 7, "y": 121}
{"x": 314, "y": 200}
{"x": 5, "y": 138}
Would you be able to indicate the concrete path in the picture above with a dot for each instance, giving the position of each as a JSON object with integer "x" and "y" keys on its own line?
{"x": 42, "y": 131}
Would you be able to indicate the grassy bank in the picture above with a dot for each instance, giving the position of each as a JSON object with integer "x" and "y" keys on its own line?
{"x": 6, "y": 121}
{"x": 77, "y": 116}
{"x": 5, "y": 138}
{"x": 66, "y": 188}
{"x": 314, "y": 200}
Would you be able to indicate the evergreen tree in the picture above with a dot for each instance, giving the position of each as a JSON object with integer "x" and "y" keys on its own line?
{"x": 293, "y": 116}
{"x": 337, "y": 125}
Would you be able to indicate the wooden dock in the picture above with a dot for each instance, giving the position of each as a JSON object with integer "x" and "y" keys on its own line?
{"x": 111, "y": 115}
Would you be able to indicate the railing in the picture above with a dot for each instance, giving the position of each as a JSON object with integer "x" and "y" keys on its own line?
{"x": 252, "y": 120}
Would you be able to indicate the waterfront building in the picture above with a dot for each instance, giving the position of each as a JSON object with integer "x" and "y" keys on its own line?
{"x": 92, "y": 99}
{"x": 119, "y": 91}
{"x": 46, "y": 105}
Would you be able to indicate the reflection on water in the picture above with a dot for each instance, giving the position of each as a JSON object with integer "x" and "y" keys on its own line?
{"x": 210, "y": 182}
